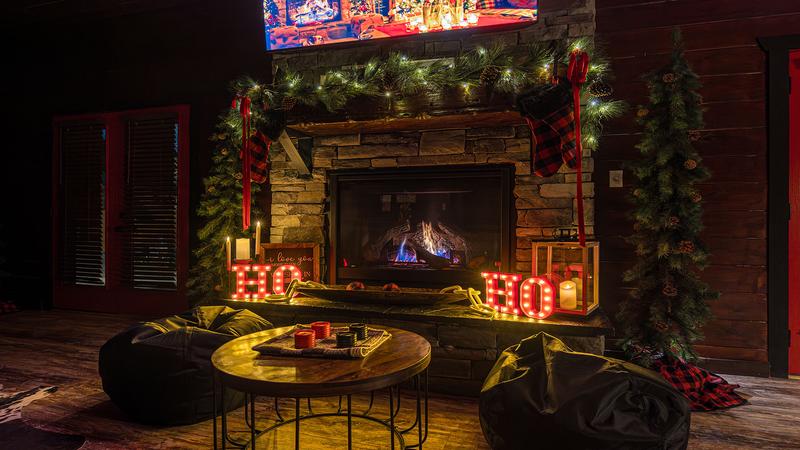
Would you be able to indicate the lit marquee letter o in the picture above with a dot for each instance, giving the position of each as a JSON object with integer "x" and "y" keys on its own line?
{"x": 528, "y": 298}
{"x": 278, "y": 277}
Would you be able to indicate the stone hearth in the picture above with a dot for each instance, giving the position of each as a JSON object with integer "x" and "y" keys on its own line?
{"x": 465, "y": 344}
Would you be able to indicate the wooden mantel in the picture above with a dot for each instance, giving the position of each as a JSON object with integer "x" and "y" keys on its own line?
{"x": 398, "y": 124}
{"x": 415, "y": 113}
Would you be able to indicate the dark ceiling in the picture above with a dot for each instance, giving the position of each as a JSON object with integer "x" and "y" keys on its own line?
{"x": 18, "y": 12}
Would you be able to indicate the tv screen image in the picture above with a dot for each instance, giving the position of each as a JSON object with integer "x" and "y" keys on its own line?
{"x": 302, "y": 23}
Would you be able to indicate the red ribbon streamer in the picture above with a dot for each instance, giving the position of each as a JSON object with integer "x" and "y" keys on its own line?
{"x": 242, "y": 103}
{"x": 576, "y": 74}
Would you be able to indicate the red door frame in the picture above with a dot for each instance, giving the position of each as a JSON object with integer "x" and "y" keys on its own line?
{"x": 113, "y": 297}
{"x": 794, "y": 217}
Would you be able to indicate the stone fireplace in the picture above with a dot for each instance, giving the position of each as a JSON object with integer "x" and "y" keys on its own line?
{"x": 300, "y": 208}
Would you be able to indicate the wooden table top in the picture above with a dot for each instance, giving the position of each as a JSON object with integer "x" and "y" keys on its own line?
{"x": 240, "y": 367}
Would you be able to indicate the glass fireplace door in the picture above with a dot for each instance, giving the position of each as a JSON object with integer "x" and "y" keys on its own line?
{"x": 425, "y": 227}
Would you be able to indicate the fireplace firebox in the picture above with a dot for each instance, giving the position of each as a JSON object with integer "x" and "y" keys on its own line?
{"x": 421, "y": 226}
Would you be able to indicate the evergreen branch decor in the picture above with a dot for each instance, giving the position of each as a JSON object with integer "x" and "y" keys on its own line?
{"x": 668, "y": 305}
{"x": 497, "y": 68}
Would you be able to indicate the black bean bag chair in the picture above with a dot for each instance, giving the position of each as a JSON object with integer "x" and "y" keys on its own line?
{"x": 541, "y": 394}
{"x": 160, "y": 372}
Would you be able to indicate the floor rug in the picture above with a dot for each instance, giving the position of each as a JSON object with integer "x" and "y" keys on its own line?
{"x": 16, "y": 434}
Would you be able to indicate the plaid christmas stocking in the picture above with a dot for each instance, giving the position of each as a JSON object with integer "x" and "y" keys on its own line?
{"x": 259, "y": 158}
{"x": 549, "y": 114}
{"x": 553, "y": 142}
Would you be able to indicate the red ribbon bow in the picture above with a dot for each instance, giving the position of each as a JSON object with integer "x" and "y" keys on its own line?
{"x": 576, "y": 74}
{"x": 242, "y": 103}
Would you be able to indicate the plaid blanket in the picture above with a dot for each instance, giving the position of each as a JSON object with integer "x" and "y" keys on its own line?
{"x": 706, "y": 391}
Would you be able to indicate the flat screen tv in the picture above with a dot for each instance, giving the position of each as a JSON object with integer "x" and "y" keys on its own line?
{"x": 302, "y": 23}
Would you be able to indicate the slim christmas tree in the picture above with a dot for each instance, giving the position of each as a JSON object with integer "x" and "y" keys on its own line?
{"x": 668, "y": 305}
{"x": 220, "y": 208}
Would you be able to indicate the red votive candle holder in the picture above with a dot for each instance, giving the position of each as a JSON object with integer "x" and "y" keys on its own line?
{"x": 321, "y": 329}
{"x": 304, "y": 339}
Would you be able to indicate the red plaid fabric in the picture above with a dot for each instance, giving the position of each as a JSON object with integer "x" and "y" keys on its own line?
{"x": 486, "y": 4}
{"x": 706, "y": 391}
{"x": 259, "y": 158}
{"x": 554, "y": 142}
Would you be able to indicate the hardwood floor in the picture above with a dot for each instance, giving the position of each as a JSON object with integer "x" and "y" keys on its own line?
{"x": 60, "y": 348}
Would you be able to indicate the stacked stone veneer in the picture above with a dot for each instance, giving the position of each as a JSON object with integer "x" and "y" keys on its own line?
{"x": 300, "y": 204}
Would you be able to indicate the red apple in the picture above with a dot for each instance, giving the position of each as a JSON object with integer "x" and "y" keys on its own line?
{"x": 391, "y": 287}
{"x": 356, "y": 286}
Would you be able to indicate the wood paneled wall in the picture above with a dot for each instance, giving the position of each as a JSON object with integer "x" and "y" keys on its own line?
{"x": 720, "y": 39}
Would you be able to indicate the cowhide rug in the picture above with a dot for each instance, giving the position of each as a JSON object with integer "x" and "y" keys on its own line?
{"x": 16, "y": 434}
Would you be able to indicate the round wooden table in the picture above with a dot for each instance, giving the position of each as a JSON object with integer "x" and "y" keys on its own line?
{"x": 405, "y": 356}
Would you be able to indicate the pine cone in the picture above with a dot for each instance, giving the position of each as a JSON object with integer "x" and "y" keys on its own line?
{"x": 642, "y": 112}
{"x": 218, "y": 288}
{"x": 686, "y": 247}
{"x": 600, "y": 89}
{"x": 490, "y": 75}
{"x": 237, "y": 175}
{"x": 668, "y": 78}
{"x": 637, "y": 226}
{"x": 696, "y": 197}
{"x": 673, "y": 222}
{"x": 690, "y": 164}
{"x": 637, "y": 192}
{"x": 661, "y": 326}
{"x": 288, "y": 102}
{"x": 669, "y": 289}
{"x": 211, "y": 189}
{"x": 224, "y": 152}
{"x": 694, "y": 136}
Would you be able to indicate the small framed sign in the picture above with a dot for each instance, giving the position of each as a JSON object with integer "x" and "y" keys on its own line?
{"x": 303, "y": 255}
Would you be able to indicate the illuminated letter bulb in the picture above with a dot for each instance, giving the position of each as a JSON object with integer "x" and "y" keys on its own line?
{"x": 545, "y": 288}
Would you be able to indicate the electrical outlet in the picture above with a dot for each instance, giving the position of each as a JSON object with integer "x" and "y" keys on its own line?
{"x": 615, "y": 178}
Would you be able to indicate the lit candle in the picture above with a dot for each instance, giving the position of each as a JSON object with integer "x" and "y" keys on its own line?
{"x": 567, "y": 298}
{"x": 228, "y": 253}
{"x": 243, "y": 249}
{"x": 472, "y": 18}
{"x": 258, "y": 237}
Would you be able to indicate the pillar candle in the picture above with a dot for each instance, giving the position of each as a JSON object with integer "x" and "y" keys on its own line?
{"x": 243, "y": 249}
{"x": 567, "y": 297}
{"x": 228, "y": 253}
{"x": 258, "y": 238}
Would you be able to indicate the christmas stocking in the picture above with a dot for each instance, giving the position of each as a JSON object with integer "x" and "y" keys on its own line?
{"x": 549, "y": 114}
{"x": 259, "y": 158}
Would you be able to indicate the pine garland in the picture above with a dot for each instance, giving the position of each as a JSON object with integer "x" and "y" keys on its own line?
{"x": 668, "y": 305}
{"x": 509, "y": 70}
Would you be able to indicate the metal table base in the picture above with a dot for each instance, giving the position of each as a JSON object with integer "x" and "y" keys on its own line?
{"x": 223, "y": 438}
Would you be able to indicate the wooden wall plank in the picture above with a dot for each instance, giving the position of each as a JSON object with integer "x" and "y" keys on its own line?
{"x": 729, "y": 141}
{"x": 734, "y": 353}
{"x": 636, "y": 15}
{"x": 720, "y": 115}
{"x": 707, "y": 35}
